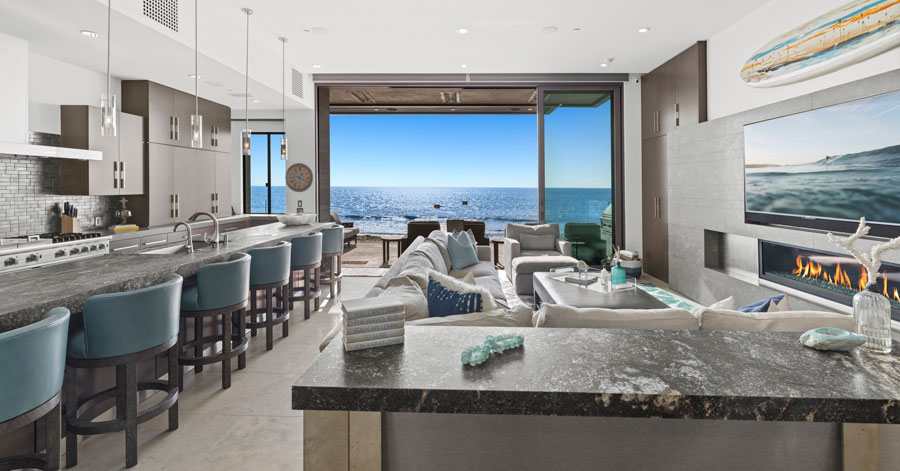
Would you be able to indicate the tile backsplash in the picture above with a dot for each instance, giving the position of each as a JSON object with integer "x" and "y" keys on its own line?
{"x": 30, "y": 202}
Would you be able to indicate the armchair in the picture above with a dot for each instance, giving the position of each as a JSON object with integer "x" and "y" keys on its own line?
{"x": 350, "y": 232}
{"x": 531, "y": 249}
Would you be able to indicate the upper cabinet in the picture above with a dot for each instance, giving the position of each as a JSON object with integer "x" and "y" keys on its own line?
{"x": 674, "y": 94}
{"x": 120, "y": 172}
{"x": 167, "y": 114}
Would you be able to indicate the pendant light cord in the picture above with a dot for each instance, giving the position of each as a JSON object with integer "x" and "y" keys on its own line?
{"x": 196, "y": 60}
{"x": 247, "y": 74}
{"x": 108, "y": 47}
{"x": 283, "y": 125}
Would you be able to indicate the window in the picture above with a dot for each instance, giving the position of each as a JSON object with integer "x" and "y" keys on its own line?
{"x": 264, "y": 175}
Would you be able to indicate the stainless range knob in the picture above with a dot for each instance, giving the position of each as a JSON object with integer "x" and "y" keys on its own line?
{"x": 31, "y": 258}
{"x": 60, "y": 253}
{"x": 84, "y": 250}
{"x": 93, "y": 248}
{"x": 9, "y": 262}
{"x": 74, "y": 252}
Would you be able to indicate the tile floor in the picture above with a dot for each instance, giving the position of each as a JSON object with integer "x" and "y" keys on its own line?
{"x": 249, "y": 426}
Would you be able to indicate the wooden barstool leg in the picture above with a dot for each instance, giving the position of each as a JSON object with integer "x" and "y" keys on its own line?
{"x": 182, "y": 339}
{"x": 126, "y": 408}
{"x": 337, "y": 276}
{"x": 226, "y": 350}
{"x": 317, "y": 273}
{"x": 174, "y": 374}
{"x": 284, "y": 325}
{"x": 306, "y": 289}
{"x": 71, "y": 409}
{"x": 269, "y": 312}
{"x": 198, "y": 347}
{"x": 242, "y": 333}
{"x": 53, "y": 422}
{"x": 332, "y": 278}
{"x": 253, "y": 316}
{"x": 291, "y": 290}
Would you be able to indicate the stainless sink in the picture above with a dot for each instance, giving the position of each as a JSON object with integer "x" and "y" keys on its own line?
{"x": 175, "y": 249}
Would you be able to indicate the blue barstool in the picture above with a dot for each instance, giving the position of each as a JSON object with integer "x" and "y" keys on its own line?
{"x": 121, "y": 329}
{"x": 32, "y": 361}
{"x": 222, "y": 289}
{"x": 332, "y": 250}
{"x": 306, "y": 256}
{"x": 270, "y": 271}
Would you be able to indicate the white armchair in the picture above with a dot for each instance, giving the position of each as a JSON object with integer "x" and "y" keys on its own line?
{"x": 530, "y": 249}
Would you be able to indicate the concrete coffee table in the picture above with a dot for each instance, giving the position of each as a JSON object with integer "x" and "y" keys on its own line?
{"x": 553, "y": 291}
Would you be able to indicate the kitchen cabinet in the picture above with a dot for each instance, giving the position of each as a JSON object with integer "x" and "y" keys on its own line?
{"x": 649, "y": 106}
{"x": 223, "y": 184}
{"x": 159, "y": 201}
{"x": 206, "y": 188}
{"x": 654, "y": 202}
{"x": 120, "y": 172}
{"x": 216, "y": 126}
{"x": 167, "y": 113}
{"x": 187, "y": 183}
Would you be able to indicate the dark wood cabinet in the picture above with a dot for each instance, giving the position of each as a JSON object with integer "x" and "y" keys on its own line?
{"x": 672, "y": 96}
{"x": 216, "y": 126}
{"x": 121, "y": 170}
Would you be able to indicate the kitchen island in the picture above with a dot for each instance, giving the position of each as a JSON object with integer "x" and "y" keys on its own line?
{"x": 573, "y": 398}
{"x": 26, "y": 295}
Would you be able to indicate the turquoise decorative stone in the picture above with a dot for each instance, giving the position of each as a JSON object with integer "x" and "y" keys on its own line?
{"x": 831, "y": 339}
{"x": 480, "y": 353}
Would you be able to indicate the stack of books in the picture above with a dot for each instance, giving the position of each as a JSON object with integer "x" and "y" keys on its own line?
{"x": 373, "y": 322}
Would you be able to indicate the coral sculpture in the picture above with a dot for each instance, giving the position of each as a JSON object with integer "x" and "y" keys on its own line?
{"x": 871, "y": 260}
{"x": 480, "y": 353}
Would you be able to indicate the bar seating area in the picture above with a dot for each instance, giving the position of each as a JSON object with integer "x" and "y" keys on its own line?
{"x": 270, "y": 272}
{"x": 306, "y": 263}
{"x": 332, "y": 251}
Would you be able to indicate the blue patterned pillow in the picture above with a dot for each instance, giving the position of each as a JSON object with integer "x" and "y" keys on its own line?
{"x": 446, "y": 301}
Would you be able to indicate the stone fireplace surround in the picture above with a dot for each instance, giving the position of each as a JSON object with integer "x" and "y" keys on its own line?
{"x": 713, "y": 252}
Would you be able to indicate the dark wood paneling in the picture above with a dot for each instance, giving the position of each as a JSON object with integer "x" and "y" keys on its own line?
{"x": 323, "y": 152}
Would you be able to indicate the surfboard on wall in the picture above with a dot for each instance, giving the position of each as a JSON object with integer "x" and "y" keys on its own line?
{"x": 846, "y": 35}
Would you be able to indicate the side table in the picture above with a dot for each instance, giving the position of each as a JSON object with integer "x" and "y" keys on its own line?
{"x": 495, "y": 244}
{"x": 386, "y": 246}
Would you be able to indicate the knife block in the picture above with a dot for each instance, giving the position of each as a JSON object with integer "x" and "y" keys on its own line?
{"x": 69, "y": 224}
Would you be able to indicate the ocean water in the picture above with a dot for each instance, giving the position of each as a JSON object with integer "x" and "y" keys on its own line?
{"x": 846, "y": 187}
{"x": 259, "y": 199}
{"x": 386, "y": 210}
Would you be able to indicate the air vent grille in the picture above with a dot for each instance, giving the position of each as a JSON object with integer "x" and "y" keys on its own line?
{"x": 164, "y": 12}
{"x": 297, "y": 83}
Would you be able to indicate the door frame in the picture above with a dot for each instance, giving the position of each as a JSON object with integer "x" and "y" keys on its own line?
{"x": 246, "y": 174}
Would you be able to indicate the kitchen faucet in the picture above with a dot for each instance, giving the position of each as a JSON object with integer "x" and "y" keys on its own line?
{"x": 189, "y": 245}
{"x": 215, "y": 237}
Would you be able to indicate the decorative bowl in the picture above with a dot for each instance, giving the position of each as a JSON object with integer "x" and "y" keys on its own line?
{"x": 296, "y": 219}
{"x": 631, "y": 263}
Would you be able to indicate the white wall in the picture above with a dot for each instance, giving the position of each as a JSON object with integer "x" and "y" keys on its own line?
{"x": 301, "y": 132}
{"x": 728, "y": 49}
{"x": 53, "y": 82}
{"x": 632, "y": 147}
{"x": 13, "y": 89}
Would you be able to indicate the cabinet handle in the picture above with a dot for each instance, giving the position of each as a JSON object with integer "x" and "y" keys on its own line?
{"x": 156, "y": 242}
{"x": 115, "y": 177}
{"x": 177, "y": 128}
{"x": 677, "y": 115}
{"x": 121, "y": 174}
{"x": 656, "y": 120}
{"x": 177, "y": 205}
{"x": 125, "y": 248}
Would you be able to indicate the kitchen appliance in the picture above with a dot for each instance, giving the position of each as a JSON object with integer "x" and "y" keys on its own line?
{"x": 32, "y": 251}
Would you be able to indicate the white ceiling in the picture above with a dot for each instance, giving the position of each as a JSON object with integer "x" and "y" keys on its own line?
{"x": 364, "y": 36}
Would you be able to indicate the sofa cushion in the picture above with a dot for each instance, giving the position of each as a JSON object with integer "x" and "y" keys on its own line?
{"x": 555, "y": 315}
{"x": 790, "y": 321}
{"x": 462, "y": 251}
{"x": 410, "y": 294}
{"x": 440, "y": 239}
{"x": 514, "y": 231}
{"x": 493, "y": 286}
{"x": 538, "y": 253}
{"x": 349, "y": 232}
{"x": 430, "y": 250}
{"x": 537, "y": 241}
{"x": 400, "y": 263}
{"x": 479, "y": 270}
{"x": 519, "y": 316}
{"x": 543, "y": 263}
{"x": 448, "y": 296}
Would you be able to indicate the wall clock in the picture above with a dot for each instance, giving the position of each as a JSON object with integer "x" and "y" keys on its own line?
{"x": 299, "y": 177}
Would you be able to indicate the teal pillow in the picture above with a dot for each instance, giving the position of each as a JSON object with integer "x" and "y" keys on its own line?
{"x": 462, "y": 251}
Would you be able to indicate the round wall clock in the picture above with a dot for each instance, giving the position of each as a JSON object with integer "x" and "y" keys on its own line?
{"x": 299, "y": 177}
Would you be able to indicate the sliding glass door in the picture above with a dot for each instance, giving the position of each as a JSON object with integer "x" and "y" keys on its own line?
{"x": 264, "y": 178}
{"x": 578, "y": 187}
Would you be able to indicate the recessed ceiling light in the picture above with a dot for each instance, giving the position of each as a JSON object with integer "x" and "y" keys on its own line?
{"x": 576, "y": 29}
{"x": 549, "y": 29}
{"x": 530, "y": 109}
{"x": 90, "y": 34}
{"x": 194, "y": 76}
{"x": 255, "y": 100}
{"x": 452, "y": 109}
{"x": 316, "y": 66}
{"x": 604, "y": 65}
{"x": 462, "y": 30}
{"x": 376, "y": 109}
{"x": 464, "y": 66}
{"x": 644, "y": 30}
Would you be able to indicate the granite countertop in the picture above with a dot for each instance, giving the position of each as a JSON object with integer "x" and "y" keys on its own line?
{"x": 609, "y": 373}
{"x": 200, "y": 222}
{"x": 26, "y": 295}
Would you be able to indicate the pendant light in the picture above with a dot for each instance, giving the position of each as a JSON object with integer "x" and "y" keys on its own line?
{"x": 284, "y": 144}
{"x": 108, "y": 115}
{"x": 196, "y": 119}
{"x": 245, "y": 134}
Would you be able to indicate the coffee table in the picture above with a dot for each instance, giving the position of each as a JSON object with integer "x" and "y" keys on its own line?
{"x": 553, "y": 291}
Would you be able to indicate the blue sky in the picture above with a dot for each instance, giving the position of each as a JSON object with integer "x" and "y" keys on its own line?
{"x": 847, "y": 128}
{"x": 259, "y": 173}
{"x": 469, "y": 150}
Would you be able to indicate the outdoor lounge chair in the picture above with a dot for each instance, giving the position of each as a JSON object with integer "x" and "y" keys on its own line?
{"x": 418, "y": 228}
{"x": 477, "y": 227}
{"x": 350, "y": 232}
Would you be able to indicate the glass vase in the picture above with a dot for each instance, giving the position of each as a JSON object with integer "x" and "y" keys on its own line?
{"x": 872, "y": 313}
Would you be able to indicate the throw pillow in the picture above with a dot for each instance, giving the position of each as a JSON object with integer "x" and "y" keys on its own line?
{"x": 410, "y": 294}
{"x": 726, "y": 304}
{"x": 462, "y": 251}
{"x": 764, "y": 305}
{"x": 519, "y": 316}
{"x": 449, "y": 296}
{"x": 537, "y": 241}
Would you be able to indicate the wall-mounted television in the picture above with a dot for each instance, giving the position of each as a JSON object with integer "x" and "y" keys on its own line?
{"x": 826, "y": 168}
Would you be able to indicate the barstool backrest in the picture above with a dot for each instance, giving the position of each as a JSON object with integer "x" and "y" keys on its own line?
{"x": 270, "y": 264}
{"x": 32, "y": 362}
{"x": 117, "y": 324}
{"x": 333, "y": 240}
{"x": 224, "y": 284}
{"x": 306, "y": 250}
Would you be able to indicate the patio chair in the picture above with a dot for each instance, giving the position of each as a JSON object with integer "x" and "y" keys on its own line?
{"x": 418, "y": 228}
{"x": 477, "y": 227}
{"x": 350, "y": 232}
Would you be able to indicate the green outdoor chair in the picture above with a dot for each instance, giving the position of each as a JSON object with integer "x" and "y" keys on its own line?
{"x": 593, "y": 249}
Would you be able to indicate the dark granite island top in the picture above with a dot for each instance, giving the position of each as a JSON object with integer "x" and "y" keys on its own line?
{"x": 609, "y": 373}
{"x": 26, "y": 295}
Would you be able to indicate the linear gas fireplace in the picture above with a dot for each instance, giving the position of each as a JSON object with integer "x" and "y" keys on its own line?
{"x": 829, "y": 275}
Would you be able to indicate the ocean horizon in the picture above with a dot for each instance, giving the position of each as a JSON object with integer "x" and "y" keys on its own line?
{"x": 387, "y": 210}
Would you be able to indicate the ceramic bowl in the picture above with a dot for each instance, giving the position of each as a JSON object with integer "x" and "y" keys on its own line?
{"x": 296, "y": 219}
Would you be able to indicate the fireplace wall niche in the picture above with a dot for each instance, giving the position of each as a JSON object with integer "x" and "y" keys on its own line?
{"x": 832, "y": 276}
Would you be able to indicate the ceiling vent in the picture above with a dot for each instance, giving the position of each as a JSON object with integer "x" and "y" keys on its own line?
{"x": 296, "y": 83}
{"x": 164, "y": 12}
